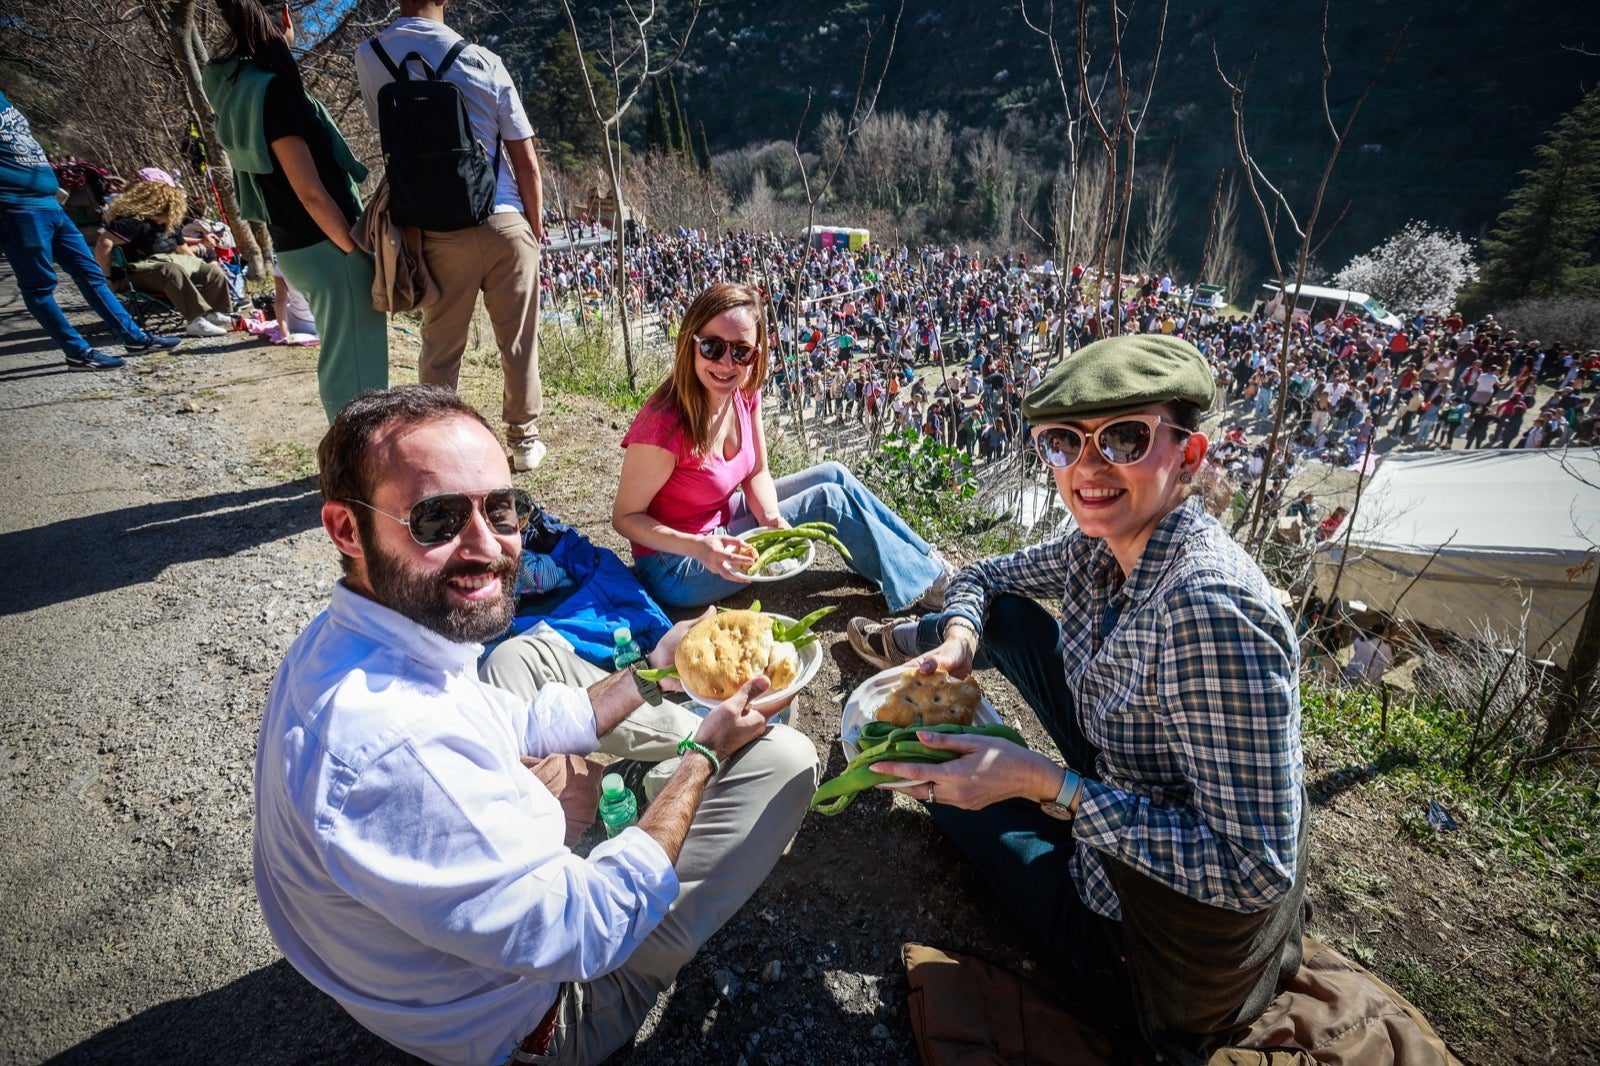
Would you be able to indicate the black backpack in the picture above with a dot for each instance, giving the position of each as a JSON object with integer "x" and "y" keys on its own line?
{"x": 440, "y": 178}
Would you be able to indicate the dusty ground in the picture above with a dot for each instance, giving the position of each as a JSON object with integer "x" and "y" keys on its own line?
{"x": 160, "y": 549}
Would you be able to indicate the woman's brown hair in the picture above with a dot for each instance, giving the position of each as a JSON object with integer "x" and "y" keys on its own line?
{"x": 681, "y": 392}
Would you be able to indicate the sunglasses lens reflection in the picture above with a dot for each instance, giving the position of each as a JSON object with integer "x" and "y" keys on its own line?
{"x": 1124, "y": 442}
{"x": 441, "y": 518}
{"x": 1059, "y": 446}
{"x": 714, "y": 348}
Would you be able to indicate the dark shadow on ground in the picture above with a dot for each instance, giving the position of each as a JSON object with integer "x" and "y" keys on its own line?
{"x": 270, "y": 1016}
{"x": 1328, "y": 786}
{"x": 79, "y": 557}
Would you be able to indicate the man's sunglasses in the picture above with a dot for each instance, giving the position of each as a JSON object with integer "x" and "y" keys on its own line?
{"x": 714, "y": 348}
{"x": 1121, "y": 442}
{"x": 440, "y": 519}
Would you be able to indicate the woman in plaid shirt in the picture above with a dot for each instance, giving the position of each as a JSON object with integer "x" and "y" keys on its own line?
{"x": 1162, "y": 865}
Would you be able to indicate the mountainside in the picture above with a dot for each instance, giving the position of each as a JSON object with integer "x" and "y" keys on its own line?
{"x": 1473, "y": 86}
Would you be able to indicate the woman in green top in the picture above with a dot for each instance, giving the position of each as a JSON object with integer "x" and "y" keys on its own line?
{"x": 295, "y": 173}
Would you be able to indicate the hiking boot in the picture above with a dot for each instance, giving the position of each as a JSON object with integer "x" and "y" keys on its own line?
{"x": 93, "y": 360}
{"x": 527, "y": 456}
{"x": 203, "y": 327}
{"x": 149, "y": 341}
{"x": 874, "y": 642}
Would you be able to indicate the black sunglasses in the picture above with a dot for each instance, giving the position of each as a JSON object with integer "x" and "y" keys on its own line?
{"x": 440, "y": 519}
{"x": 714, "y": 348}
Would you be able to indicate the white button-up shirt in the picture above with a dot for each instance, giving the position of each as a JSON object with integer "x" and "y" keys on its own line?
{"x": 408, "y": 864}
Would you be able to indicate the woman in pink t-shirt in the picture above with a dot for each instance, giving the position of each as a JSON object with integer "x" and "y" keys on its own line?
{"x": 695, "y": 473}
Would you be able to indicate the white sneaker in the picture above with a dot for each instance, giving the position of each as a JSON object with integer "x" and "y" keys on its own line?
{"x": 200, "y": 327}
{"x": 528, "y": 456}
{"x": 221, "y": 318}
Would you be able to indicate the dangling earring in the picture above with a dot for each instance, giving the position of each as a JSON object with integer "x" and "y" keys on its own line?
{"x": 1185, "y": 478}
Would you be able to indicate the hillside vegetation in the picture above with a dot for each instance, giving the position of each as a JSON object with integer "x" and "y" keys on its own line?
{"x": 1473, "y": 86}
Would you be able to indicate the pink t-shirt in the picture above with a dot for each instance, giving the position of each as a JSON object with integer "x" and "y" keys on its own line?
{"x": 698, "y": 493}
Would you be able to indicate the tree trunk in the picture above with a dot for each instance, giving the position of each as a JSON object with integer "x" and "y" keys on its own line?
{"x": 614, "y": 168}
{"x": 1577, "y": 688}
{"x": 188, "y": 56}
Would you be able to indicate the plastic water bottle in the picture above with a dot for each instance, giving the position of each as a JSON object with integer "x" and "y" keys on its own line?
{"x": 618, "y": 809}
{"x": 627, "y": 649}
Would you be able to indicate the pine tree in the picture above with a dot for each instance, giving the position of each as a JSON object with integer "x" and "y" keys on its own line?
{"x": 680, "y": 128}
{"x": 568, "y": 132}
{"x": 702, "y": 150}
{"x": 1547, "y": 243}
{"x": 657, "y": 134}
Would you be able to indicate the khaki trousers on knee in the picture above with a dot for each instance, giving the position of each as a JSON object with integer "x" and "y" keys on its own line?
{"x": 499, "y": 258}
{"x": 746, "y": 818}
{"x": 194, "y": 285}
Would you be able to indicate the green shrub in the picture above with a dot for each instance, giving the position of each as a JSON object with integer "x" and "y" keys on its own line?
{"x": 934, "y": 488}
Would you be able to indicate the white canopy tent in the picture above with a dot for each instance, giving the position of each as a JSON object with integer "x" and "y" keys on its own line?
{"x": 1512, "y": 529}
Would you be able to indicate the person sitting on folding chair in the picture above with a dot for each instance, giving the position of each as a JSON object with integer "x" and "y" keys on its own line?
{"x": 144, "y": 222}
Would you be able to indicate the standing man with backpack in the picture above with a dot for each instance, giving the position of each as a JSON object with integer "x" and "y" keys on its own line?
{"x": 461, "y": 166}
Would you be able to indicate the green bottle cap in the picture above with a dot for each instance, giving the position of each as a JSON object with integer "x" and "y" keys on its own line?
{"x": 612, "y": 784}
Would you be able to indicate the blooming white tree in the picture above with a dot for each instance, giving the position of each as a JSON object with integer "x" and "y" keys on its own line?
{"x": 1418, "y": 269}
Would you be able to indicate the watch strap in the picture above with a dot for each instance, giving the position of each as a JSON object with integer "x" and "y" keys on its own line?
{"x": 1065, "y": 805}
{"x": 649, "y": 691}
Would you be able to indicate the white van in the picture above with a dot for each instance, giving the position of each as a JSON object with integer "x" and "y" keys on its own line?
{"x": 1315, "y": 303}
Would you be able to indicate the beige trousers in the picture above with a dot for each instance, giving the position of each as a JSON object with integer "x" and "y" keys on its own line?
{"x": 499, "y": 258}
{"x": 746, "y": 818}
{"x": 193, "y": 285}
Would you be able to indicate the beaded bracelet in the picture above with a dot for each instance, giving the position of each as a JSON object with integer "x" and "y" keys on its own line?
{"x": 690, "y": 744}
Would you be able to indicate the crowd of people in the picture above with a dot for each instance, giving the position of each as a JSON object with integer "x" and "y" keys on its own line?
{"x": 873, "y": 322}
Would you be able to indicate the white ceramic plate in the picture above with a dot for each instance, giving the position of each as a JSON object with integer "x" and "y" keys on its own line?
{"x": 780, "y": 570}
{"x": 862, "y": 707}
{"x": 810, "y": 663}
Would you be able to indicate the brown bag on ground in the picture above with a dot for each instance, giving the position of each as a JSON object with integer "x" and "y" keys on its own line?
{"x": 575, "y": 783}
{"x": 1337, "y": 1013}
{"x": 966, "y": 1012}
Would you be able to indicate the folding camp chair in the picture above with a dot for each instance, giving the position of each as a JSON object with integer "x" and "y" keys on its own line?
{"x": 153, "y": 312}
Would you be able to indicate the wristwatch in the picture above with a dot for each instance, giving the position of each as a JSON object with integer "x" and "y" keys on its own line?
{"x": 649, "y": 691}
{"x": 1065, "y": 805}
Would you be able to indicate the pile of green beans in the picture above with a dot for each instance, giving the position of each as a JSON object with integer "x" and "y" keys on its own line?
{"x": 882, "y": 742}
{"x": 776, "y": 545}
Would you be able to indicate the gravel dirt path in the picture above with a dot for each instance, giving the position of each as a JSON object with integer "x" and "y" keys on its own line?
{"x": 160, "y": 549}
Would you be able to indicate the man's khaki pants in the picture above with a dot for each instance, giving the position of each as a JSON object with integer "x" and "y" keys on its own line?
{"x": 500, "y": 258}
{"x": 747, "y": 816}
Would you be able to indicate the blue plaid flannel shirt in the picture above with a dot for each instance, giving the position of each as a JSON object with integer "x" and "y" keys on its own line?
{"x": 1192, "y": 697}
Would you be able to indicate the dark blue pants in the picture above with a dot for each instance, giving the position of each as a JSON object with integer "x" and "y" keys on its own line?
{"x": 1024, "y": 852}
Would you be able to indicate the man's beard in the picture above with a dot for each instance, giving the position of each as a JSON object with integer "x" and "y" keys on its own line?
{"x": 425, "y": 600}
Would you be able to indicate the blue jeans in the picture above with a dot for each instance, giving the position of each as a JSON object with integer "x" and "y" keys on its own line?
{"x": 883, "y": 549}
{"x": 32, "y": 237}
{"x": 1023, "y": 852}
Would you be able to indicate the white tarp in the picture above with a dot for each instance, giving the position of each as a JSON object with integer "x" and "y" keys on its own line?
{"x": 1515, "y": 528}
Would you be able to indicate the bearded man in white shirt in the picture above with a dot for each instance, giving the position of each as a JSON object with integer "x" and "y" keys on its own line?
{"x": 407, "y": 861}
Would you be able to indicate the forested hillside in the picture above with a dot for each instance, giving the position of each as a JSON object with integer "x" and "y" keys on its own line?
{"x": 1472, "y": 88}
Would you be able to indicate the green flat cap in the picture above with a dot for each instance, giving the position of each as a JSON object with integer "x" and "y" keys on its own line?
{"x": 1121, "y": 374}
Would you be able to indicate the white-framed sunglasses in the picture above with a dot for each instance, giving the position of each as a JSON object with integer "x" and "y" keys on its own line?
{"x": 1120, "y": 442}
